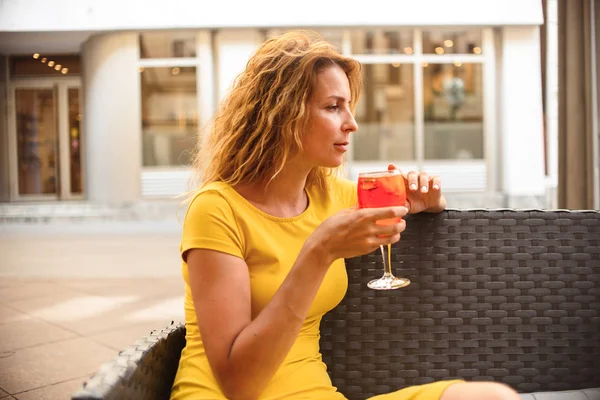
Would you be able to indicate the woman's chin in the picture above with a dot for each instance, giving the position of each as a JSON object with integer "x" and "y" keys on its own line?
{"x": 329, "y": 162}
{"x": 335, "y": 161}
{"x": 333, "y": 164}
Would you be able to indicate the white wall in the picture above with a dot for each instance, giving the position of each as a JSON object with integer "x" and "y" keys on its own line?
{"x": 522, "y": 158}
{"x": 4, "y": 156}
{"x": 112, "y": 117}
{"x": 552, "y": 89}
{"x": 77, "y": 15}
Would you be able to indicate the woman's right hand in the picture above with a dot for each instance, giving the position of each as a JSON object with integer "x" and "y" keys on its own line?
{"x": 353, "y": 232}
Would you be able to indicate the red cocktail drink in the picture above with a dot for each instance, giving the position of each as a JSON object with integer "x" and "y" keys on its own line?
{"x": 383, "y": 189}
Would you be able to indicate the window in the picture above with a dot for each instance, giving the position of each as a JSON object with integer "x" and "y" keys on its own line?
{"x": 423, "y": 94}
{"x": 168, "y": 45}
{"x": 453, "y": 111}
{"x": 169, "y": 98}
{"x": 385, "y": 114}
{"x": 379, "y": 41}
{"x": 169, "y": 115}
{"x": 451, "y": 41}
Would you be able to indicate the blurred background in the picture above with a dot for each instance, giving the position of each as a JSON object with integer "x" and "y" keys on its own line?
{"x": 103, "y": 102}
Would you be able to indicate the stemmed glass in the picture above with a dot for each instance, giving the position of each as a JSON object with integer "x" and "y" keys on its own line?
{"x": 383, "y": 189}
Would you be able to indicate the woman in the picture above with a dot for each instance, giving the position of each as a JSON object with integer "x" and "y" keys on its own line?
{"x": 265, "y": 236}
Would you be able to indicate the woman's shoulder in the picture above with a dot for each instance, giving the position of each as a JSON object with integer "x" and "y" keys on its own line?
{"x": 210, "y": 221}
{"x": 213, "y": 190}
{"x": 212, "y": 196}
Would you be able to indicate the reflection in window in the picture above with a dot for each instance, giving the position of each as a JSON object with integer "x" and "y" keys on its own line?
{"x": 169, "y": 115}
{"x": 385, "y": 114}
{"x": 378, "y": 41}
{"x": 453, "y": 101}
{"x": 167, "y": 44}
{"x": 440, "y": 41}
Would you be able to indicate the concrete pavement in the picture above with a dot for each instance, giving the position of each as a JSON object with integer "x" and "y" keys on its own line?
{"x": 74, "y": 294}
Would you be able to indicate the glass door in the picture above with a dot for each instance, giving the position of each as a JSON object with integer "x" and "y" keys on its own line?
{"x": 45, "y": 138}
{"x": 37, "y": 142}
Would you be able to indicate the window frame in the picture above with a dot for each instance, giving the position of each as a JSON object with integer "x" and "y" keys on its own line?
{"x": 205, "y": 97}
{"x": 158, "y": 182}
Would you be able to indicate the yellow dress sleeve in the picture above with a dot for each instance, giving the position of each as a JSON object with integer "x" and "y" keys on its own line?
{"x": 210, "y": 223}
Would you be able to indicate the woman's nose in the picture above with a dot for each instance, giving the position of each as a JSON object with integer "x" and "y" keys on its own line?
{"x": 350, "y": 125}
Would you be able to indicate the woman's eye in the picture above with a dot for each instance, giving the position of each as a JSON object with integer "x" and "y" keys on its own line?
{"x": 333, "y": 107}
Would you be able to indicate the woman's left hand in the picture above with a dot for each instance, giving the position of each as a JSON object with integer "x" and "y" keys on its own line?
{"x": 423, "y": 192}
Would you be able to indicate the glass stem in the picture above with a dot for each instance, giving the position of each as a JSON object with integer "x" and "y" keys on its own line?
{"x": 387, "y": 261}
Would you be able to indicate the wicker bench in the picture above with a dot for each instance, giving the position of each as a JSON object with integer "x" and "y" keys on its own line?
{"x": 496, "y": 295}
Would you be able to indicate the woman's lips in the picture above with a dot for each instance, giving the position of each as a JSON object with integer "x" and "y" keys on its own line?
{"x": 343, "y": 147}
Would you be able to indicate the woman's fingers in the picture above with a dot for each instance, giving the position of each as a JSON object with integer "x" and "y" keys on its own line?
{"x": 382, "y": 241}
{"x": 413, "y": 180}
{"x": 436, "y": 183}
{"x": 382, "y": 213}
{"x": 390, "y": 230}
{"x": 424, "y": 182}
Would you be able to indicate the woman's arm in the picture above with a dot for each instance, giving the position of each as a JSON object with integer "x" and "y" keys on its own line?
{"x": 244, "y": 354}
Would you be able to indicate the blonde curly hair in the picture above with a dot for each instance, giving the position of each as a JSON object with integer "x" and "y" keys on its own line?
{"x": 260, "y": 123}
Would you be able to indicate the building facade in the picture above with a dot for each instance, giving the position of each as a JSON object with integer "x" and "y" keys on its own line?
{"x": 105, "y": 101}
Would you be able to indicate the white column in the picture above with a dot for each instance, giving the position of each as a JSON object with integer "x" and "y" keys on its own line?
{"x": 552, "y": 89}
{"x": 490, "y": 140}
{"x": 234, "y": 49}
{"x": 205, "y": 81}
{"x": 112, "y": 118}
{"x": 521, "y": 116}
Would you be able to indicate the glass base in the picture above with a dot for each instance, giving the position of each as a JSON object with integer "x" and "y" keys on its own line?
{"x": 388, "y": 283}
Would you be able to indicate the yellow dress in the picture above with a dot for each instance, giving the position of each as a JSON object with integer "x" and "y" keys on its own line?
{"x": 219, "y": 218}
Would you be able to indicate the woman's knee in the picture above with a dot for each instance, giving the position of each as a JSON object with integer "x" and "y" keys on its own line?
{"x": 479, "y": 391}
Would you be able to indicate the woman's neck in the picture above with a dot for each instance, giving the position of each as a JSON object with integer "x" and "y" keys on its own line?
{"x": 283, "y": 197}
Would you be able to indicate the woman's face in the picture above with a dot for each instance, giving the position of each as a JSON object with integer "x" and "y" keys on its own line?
{"x": 330, "y": 120}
